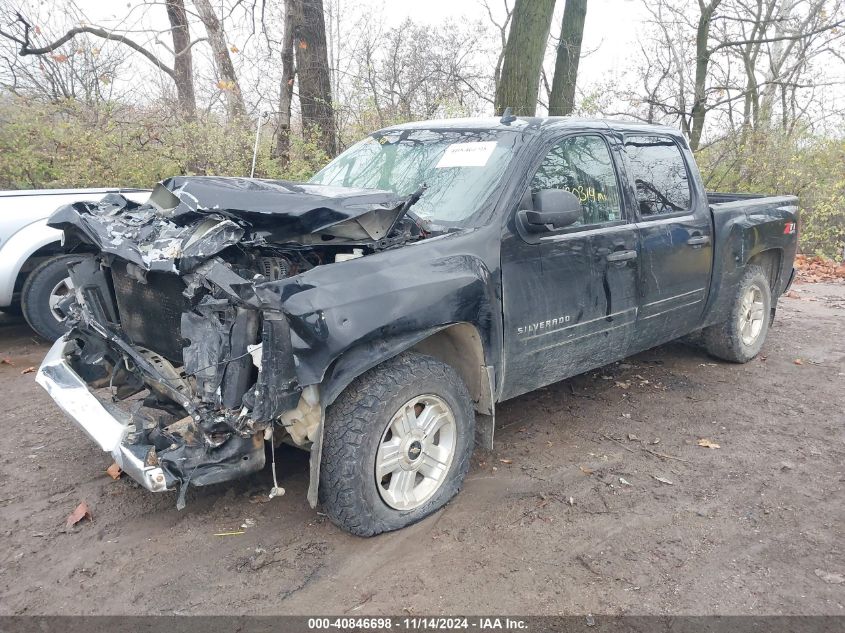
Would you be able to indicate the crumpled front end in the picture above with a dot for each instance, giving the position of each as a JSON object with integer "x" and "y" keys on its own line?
{"x": 173, "y": 364}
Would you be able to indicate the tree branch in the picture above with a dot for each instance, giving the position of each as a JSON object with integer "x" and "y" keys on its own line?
{"x": 798, "y": 36}
{"x": 28, "y": 49}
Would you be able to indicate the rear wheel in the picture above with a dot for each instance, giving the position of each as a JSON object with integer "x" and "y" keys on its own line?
{"x": 42, "y": 294}
{"x": 397, "y": 445}
{"x": 740, "y": 338}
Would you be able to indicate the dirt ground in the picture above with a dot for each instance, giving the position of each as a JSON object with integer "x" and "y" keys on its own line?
{"x": 572, "y": 513}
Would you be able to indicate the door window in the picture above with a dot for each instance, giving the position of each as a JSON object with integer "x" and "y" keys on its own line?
{"x": 660, "y": 175}
{"x": 583, "y": 166}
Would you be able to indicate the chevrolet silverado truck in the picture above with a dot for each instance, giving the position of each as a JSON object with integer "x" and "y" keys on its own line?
{"x": 427, "y": 273}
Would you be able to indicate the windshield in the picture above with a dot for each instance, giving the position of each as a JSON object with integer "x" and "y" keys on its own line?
{"x": 459, "y": 168}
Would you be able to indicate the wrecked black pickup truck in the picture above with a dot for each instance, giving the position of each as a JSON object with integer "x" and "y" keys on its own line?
{"x": 427, "y": 273}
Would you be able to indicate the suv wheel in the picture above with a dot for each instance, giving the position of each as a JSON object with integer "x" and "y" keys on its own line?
{"x": 397, "y": 445}
{"x": 740, "y": 338}
{"x": 45, "y": 287}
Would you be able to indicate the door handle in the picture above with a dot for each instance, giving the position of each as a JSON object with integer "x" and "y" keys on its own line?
{"x": 621, "y": 256}
{"x": 699, "y": 240}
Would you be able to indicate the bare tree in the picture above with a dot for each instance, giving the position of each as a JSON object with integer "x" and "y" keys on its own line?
{"x": 50, "y": 51}
{"x": 183, "y": 65}
{"x": 523, "y": 59}
{"x": 502, "y": 31}
{"x": 562, "y": 95}
{"x": 282, "y": 149}
{"x": 227, "y": 77}
{"x": 772, "y": 41}
{"x": 312, "y": 69}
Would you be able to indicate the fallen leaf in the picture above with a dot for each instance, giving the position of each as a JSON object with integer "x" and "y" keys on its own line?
{"x": 625, "y": 482}
{"x": 798, "y": 361}
{"x": 793, "y": 295}
{"x": 234, "y": 49}
{"x": 114, "y": 471}
{"x": 830, "y": 577}
{"x": 81, "y": 512}
{"x": 506, "y": 461}
{"x": 259, "y": 499}
{"x": 585, "y": 470}
{"x": 28, "y": 370}
{"x": 303, "y": 44}
{"x": 633, "y": 437}
{"x": 708, "y": 443}
{"x": 624, "y": 384}
{"x": 656, "y": 440}
{"x": 6, "y": 361}
{"x": 663, "y": 480}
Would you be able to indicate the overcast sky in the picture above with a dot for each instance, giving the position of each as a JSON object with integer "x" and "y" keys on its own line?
{"x": 610, "y": 31}
{"x": 610, "y": 48}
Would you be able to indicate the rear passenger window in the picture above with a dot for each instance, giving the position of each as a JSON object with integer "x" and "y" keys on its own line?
{"x": 660, "y": 174}
{"x": 583, "y": 166}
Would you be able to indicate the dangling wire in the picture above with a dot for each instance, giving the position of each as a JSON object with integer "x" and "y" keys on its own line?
{"x": 277, "y": 490}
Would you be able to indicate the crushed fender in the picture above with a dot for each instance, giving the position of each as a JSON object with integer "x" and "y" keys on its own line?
{"x": 179, "y": 318}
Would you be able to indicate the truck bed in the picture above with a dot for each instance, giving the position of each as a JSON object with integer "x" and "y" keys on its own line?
{"x": 719, "y": 197}
{"x": 747, "y": 225}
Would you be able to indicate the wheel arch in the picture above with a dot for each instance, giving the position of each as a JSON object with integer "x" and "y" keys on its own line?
{"x": 770, "y": 261}
{"x": 459, "y": 345}
{"x": 22, "y": 252}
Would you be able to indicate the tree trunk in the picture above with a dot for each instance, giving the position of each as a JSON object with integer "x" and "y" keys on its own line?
{"x": 702, "y": 66}
{"x": 312, "y": 69}
{"x": 183, "y": 65}
{"x": 286, "y": 87}
{"x": 222, "y": 61}
{"x": 562, "y": 97}
{"x": 519, "y": 82}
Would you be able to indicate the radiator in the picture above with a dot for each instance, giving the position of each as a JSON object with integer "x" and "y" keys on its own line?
{"x": 150, "y": 313}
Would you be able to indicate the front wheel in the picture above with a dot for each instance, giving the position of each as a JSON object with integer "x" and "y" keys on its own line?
{"x": 740, "y": 338}
{"x": 396, "y": 446}
{"x": 43, "y": 294}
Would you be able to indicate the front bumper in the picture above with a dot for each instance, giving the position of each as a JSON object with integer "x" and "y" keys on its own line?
{"x": 107, "y": 426}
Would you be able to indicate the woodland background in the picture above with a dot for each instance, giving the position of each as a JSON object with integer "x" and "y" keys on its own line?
{"x": 165, "y": 87}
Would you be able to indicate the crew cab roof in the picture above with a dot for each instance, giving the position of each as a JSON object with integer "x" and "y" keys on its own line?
{"x": 538, "y": 124}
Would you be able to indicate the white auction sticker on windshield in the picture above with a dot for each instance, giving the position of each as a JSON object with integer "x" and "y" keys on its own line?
{"x": 467, "y": 154}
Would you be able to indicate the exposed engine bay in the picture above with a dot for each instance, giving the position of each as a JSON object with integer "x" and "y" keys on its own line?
{"x": 177, "y": 319}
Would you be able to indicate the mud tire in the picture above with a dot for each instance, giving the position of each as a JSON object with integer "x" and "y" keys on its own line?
{"x": 724, "y": 340}
{"x": 35, "y": 296}
{"x": 354, "y": 427}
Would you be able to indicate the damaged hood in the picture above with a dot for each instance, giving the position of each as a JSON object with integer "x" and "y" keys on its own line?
{"x": 188, "y": 219}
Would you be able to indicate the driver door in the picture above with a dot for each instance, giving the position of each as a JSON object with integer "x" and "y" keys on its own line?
{"x": 569, "y": 295}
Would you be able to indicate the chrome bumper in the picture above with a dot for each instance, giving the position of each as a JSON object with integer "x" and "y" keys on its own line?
{"x": 107, "y": 428}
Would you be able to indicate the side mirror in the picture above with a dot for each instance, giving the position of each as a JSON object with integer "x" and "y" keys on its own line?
{"x": 552, "y": 207}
